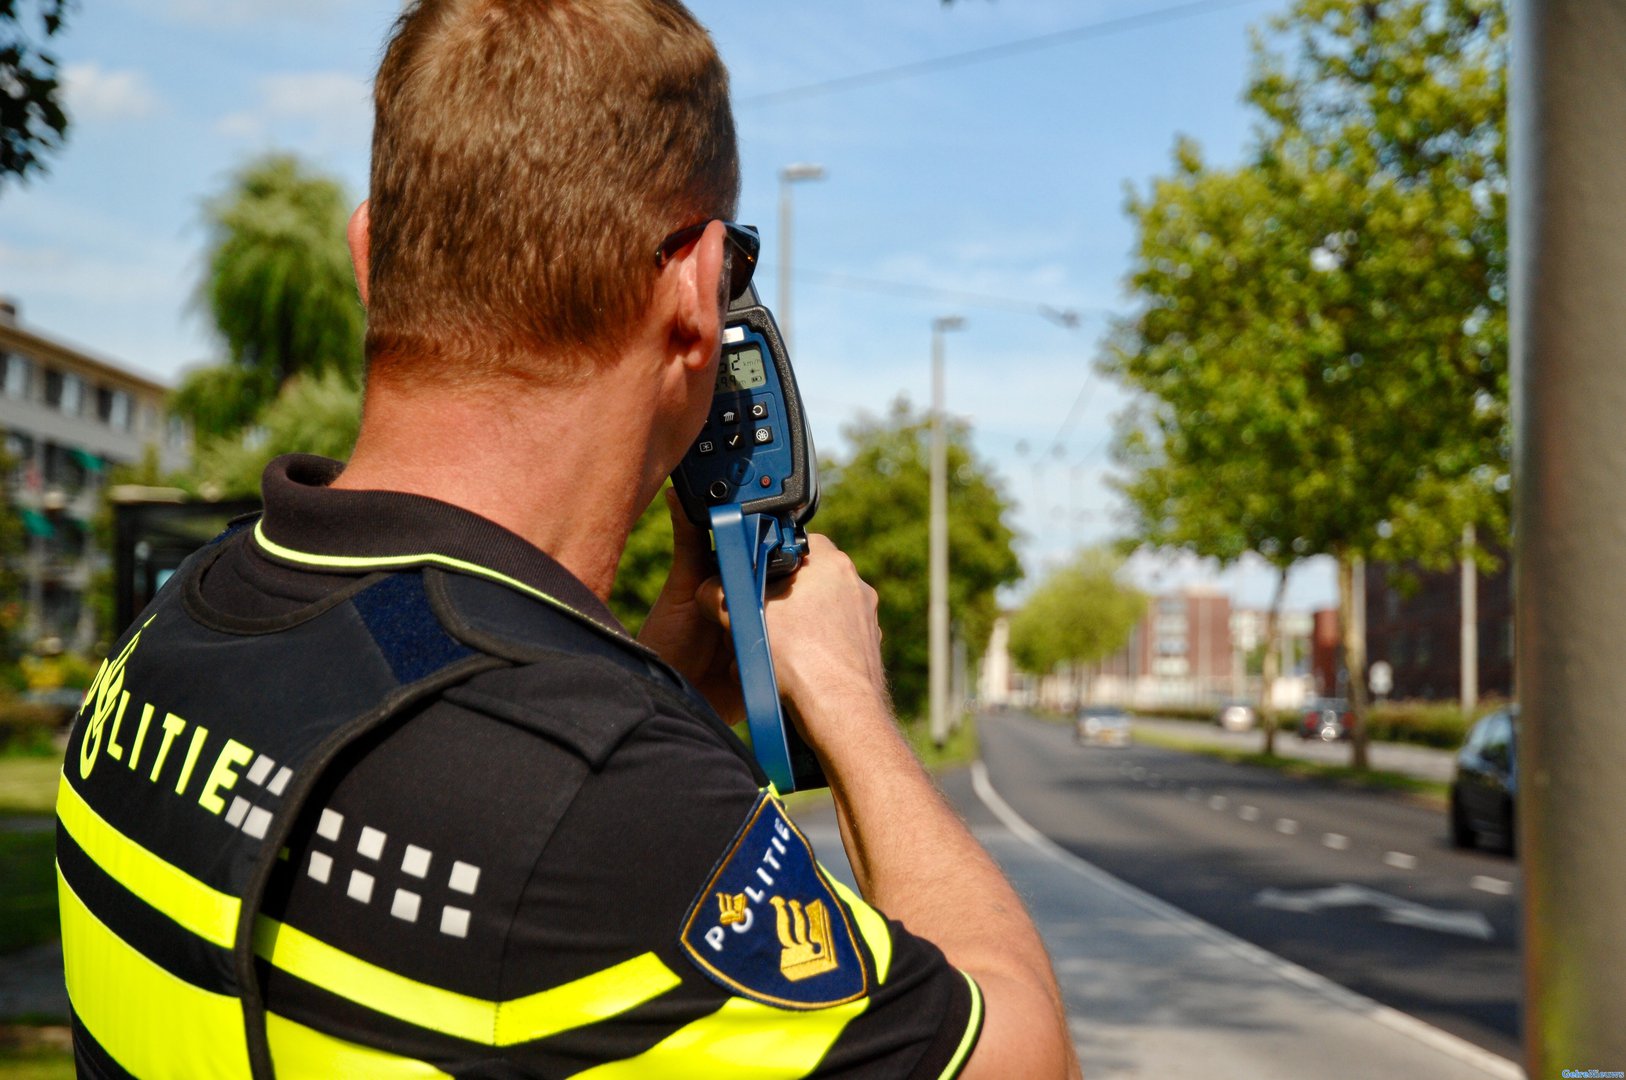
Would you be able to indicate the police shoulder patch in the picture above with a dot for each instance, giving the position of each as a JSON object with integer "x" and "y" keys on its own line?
{"x": 768, "y": 925}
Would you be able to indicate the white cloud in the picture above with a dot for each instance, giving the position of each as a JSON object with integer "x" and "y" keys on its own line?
{"x": 96, "y": 93}
{"x": 328, "y": 108}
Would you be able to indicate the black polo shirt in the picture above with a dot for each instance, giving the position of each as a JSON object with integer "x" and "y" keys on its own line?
{"x": 672, "y": 877}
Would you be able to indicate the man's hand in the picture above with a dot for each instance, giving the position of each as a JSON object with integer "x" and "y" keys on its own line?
{"x": 682, "y": 631}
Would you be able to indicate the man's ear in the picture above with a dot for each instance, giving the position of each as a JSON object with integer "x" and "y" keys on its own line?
{"x": 697, "y": 315}
{"x": 359, "y": 234}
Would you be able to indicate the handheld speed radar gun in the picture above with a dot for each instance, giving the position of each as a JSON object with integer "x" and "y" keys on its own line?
{"x": 752, "y": 479}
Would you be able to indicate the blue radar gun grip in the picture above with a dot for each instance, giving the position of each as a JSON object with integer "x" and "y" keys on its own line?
{"x": 751, "y": 479}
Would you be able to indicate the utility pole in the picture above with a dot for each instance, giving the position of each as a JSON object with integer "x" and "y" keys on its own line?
{"x": 938, "y": 615}
{"x": 789, "y": 175}
{"x": 1568, "y": 337}
{"x": 1470, "y": 624}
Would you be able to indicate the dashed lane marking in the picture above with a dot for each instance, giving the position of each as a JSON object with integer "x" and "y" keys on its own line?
{"x": 1286, "y": 826}
{"x": 1193, "y": 794}
{"x": 1400, "y": 860}
{"x": 1248, "y": 813}
{"x": 1492, "y": 885}
{"x": 1336, "y": 841}
{"x": 1217, "y": 802}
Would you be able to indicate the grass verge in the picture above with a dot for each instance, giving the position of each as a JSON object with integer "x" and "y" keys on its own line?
{"x": 1432, "y": 791}
{"x": 29, "y": 1052}
{"x": 28, "y": 784}
{"x": 28, "y": 898}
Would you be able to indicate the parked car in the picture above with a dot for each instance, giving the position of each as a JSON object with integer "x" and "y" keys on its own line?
{"x": 1102, "y": 725}
{"x": 1236, "y": 716}
{"x": 1485, "y": 788}
{"x": 1327, "y": 719}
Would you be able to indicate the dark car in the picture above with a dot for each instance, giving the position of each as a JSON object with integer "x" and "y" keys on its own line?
{"x": 1485, "y": 789}
{"x": 1327, "y": 719}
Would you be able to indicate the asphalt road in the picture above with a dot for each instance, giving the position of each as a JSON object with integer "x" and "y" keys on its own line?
{"x": 1360, "y": 887}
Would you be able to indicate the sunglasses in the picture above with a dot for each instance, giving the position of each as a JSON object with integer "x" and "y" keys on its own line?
{"x": 742, "y": 239}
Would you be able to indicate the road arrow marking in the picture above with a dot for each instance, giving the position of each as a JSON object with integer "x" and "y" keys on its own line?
{"x": 1394, "y": 909}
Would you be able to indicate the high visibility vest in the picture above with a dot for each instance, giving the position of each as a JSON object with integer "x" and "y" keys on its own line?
{"x": 192, "y": 758}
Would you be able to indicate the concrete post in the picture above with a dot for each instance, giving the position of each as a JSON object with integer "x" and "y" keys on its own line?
{"x": 938, "y": 609}
{"x": 1470, "y": 624}
{"x": 1568, "y": 336}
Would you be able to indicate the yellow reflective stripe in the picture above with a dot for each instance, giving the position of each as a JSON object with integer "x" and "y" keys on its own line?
{"x": 297, "y": 1050}
{"x": 206, "y": 912}
{"x": 150, "y": 1021}
{"x": 388, "y": 562}
{"x": 587, "y": 1000}
{"x": 743, "y": 1040}
{"x": 871, "y": 924}
{"x": 973, "y": 1028}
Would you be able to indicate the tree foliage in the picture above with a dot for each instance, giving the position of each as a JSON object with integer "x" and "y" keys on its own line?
{"x": 279, "y": 289}
{"x": 1322, "y": 347}
{"x": 876, "y": 507}
{"x": 313, "y": 414}
{"x": 32, "y": 120}
{"x": 1077, "y": 615}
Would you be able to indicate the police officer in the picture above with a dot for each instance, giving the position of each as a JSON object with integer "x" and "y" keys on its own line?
{"x": 378, "y": 786}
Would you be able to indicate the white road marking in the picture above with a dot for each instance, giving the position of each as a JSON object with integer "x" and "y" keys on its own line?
{"x": 1336, "y": 841}
{"x": 1286, "y": 826}
{"x": 1248, "y": 813}
{"x": 1217, "y": 802}
{"x": 1400, "y": 860}
{"x": 1396, "y": 1021}
{"x": 1193, "y": 794}
{"x": 1395, "y": 910}
{"x": 1491, "y": 885}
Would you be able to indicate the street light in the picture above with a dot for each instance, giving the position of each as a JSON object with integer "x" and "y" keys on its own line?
{"x": 789, "y": 175}
{"x": 938, "y": 615}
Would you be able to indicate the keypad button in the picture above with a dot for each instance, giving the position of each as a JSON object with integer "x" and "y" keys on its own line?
{"x": 759, "y": 410}
{"x": 762, "y": 436}
{"x": 730, "y": 415}
{"x": 705, "y": 447}
{"x": 734, "y": 440}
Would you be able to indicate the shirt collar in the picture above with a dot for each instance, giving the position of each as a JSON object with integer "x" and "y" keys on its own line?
{"x": 309, "y": 523}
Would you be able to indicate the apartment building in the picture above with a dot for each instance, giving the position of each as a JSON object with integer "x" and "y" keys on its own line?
{"x": 68, "y": 418}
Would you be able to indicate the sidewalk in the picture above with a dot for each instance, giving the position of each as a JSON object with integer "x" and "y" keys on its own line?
{"x": 1152, "y": 991}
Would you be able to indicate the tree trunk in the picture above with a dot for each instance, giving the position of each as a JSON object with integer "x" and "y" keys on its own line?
{"x": 1353, "y": 641}
{"x": 1270, "y": 668}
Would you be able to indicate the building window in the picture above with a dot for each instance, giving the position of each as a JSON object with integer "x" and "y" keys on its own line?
{"x": 65, "y": 392}
{"x": 113, "y": 408}
{"x": 19, "y": 373}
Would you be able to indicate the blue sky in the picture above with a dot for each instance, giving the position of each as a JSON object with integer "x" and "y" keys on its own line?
{"x": 1004, "y": 179}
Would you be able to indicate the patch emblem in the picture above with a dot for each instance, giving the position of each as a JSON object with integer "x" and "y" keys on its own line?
{"x": 768, "y": 926}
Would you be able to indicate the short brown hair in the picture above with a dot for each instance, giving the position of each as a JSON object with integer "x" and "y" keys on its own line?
{"x": 528, "y": 158}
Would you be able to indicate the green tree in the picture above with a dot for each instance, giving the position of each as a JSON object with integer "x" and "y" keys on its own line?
{"x": 875, "y": 505}
{"x": 32, "y": 120}
{"x": 644, "y": 565}
{"x": 1330, "y": 318}
{"x": 279, "y": 289}
{"x": 313, "y": 414}
{"x": 1077, "y": 615}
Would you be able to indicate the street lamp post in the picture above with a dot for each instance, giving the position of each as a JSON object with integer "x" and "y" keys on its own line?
{"x": 938, "y": 615}
{"x": 789, "y": 175}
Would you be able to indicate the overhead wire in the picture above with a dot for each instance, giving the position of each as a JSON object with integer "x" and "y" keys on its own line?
{"x": 1054, "y": 39}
